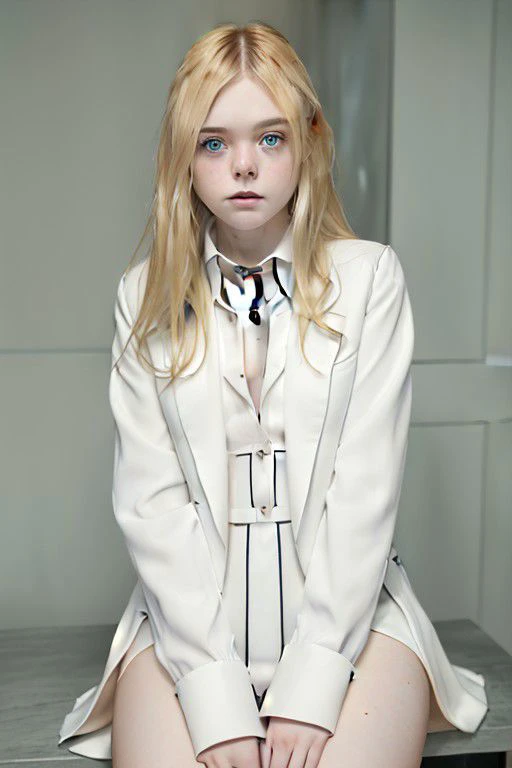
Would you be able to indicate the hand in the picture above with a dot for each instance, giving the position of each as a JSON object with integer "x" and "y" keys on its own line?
{"x": 292, "y": 744}
{"x": 243, "y": 752}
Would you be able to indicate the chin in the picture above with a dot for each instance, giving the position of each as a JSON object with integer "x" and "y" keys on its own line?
{"x": 245, "y": 219}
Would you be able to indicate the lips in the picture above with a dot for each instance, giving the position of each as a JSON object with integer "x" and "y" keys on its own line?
{"x": 244, "y": 195}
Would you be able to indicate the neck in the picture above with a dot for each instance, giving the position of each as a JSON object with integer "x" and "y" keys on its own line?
{"x": 249, "y": 247}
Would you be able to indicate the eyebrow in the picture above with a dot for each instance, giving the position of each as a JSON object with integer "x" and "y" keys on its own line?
{"x": 262, "y": 124}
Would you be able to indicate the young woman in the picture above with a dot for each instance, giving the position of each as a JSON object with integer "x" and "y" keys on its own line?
{"x": 261, "y": 392}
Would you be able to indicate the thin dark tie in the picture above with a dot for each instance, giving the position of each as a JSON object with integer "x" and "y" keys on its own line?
{"x": 259, "y": 285}
{"x": 254, "y": 314}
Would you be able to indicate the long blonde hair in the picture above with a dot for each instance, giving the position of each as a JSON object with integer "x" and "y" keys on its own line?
{"x": 177, "y": 284}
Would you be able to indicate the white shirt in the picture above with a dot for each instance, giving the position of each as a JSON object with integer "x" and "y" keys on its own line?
{"x": 252, "y": 363}
{"x": 236, "y": 293}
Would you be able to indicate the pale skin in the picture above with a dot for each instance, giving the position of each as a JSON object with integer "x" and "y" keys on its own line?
{"x": 388, "y": 710}
{"x": 382, "y": 724}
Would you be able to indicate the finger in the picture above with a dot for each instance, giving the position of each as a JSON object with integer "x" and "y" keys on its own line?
{"x": 264, "y": 754}
{"x": 299, "y": 754}
{"x": 280, "y": 756}
{"x": 313, "y": 756}
{"x": 255, "y": 755}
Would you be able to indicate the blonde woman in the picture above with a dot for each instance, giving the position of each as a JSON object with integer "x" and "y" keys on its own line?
{"x": 261, "y": 392}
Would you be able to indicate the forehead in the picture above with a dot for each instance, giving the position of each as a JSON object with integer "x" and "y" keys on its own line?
{"x": 243, "y": 105}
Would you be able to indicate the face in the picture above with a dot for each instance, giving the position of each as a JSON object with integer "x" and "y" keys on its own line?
{"x": 236, "y": 154}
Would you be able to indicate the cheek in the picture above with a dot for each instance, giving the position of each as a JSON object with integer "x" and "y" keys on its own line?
{"x": 282, "y": 170}
{"x": 203, "y": 174}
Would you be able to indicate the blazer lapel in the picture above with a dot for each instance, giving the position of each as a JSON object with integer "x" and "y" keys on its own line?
{"x": 306, "y": 395}
{"x": 198, "y": 399}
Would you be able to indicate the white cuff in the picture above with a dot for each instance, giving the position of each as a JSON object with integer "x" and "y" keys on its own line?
{"x": 218, "y": 702}
{"x": 309, "y": 684}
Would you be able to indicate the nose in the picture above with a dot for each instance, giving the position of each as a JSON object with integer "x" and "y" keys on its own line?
{"x": 245, "y": 172}
{"x": 245, "y": 165}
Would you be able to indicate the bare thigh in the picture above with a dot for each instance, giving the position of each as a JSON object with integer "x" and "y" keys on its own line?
{"x": 148, "y": 726}
{"x": 385, "y": 714}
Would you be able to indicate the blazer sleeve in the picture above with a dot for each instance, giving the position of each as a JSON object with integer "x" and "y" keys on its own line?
{"x": 166, "y": 543}
{"x": 349, "y": 558}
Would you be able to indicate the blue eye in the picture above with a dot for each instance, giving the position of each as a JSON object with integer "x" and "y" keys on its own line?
{"x": 207, "y": 142}
{"x": 273, "y": 136}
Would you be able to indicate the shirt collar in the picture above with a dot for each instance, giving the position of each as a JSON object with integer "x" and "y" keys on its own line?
{"x": 283, "y": 253}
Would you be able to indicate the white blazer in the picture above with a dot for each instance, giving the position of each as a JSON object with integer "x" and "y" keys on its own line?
{"x": 346, "y": 433}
